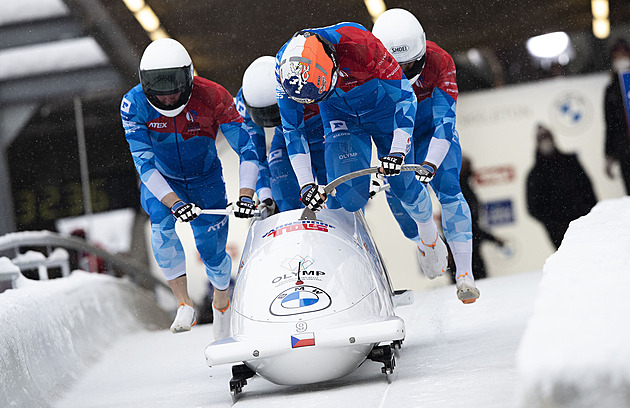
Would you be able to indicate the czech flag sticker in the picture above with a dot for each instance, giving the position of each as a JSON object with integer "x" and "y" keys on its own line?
{"x": 302, "y": 340}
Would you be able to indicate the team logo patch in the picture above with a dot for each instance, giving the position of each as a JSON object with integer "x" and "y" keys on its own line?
{"x": 300, "y": 299}
{"x": 336, "y": 125}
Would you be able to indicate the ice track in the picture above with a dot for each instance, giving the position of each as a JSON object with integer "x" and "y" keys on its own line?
{"x": 454, "y": 355}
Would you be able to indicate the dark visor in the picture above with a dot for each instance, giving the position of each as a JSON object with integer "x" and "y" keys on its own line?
{"x": 416, "y": 68}
{"x": 268, "y": 116}
{"x": 166, "y": 81}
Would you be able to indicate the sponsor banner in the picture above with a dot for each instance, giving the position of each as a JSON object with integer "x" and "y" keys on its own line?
{"x": 307, "y": 225}
{"x": 499, "y": 212}
{"x": 624, "y": 81}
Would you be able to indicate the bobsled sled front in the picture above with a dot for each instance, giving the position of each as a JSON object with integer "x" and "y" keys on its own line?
{"x": 311, "y": 300}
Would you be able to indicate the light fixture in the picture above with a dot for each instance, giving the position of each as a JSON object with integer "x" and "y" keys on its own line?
{"x": 550, "y": 45}
{"x": 601, "y": 24}
{"x": 375, "y": 8}
{"x": 134, "y": 5}
{"x": 601, "y": 28}
{"x": 599, "y": 8}
{"x": 157, "y": 34}
{"x": 474, "y": 56}
{"x": 147, "y": 19}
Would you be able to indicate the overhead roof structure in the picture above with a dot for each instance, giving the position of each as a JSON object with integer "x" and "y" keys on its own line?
{"x": 50, "y": 48}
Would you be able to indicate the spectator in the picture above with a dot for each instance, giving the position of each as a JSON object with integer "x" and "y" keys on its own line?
{"x": 558, "y": 189}
{"x": 84, "y": 260}
{"x": 617, "y": 148}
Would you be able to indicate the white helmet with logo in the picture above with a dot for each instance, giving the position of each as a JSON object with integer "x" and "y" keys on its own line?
{"x": 166, "y": 69}
{"x": 259, "y": 92}
{"x": 403, "y": 36}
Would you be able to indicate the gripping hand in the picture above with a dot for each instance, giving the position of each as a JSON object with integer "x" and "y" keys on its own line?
{"x": 185, "y": 212}
{"x": 392, "y": 163}
{"x": 313, "y": 196}
{"x": 245, "y": 207}
{"x": 425, "y": 178}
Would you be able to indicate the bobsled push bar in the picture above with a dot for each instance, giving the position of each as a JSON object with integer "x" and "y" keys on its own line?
{"x": 308, "y": 214}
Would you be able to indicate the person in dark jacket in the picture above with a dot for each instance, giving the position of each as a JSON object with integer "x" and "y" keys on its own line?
{"x": 617, "y": 146}
{"x": 558, "y": 189}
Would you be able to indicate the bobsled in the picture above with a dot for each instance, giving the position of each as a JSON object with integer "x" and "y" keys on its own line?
{"x": 312, "y": 299}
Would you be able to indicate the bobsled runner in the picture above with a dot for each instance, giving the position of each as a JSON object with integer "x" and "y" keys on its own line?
{"x": 312, "y": 300}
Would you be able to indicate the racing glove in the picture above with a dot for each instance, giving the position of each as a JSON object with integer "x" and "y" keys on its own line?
{"x": 185, "y": 212}
{"x": 392, "y": 163}
{"x": 313, "y": 196}
{"x": 430, "y": 168}
{"x": 245, "y": 207}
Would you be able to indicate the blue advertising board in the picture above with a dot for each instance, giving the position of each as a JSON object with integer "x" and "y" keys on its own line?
{"x": 624, "y": 80}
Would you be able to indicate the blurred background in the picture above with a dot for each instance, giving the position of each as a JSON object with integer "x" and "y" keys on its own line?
{"x": 65, "y": 64}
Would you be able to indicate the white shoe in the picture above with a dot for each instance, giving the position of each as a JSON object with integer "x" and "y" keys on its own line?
{"x": 433, "y": 258}
{"x": 467, "y": 292}
{"x": 221, "y": 322}
{"x": 184, "y": 320}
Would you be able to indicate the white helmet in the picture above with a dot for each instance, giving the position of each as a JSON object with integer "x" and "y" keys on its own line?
{"x": 166, "y": 69}
{"x": 403, "y": 36}
{"x": 259, "y": 92}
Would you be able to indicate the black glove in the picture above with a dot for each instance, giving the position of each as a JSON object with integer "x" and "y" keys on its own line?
{"x": 392, "y": 163}
{"x": 185, "y": 212}
{"x": 425, "y": 178}
{"x": 245, "y": 207}
{"x": 313, "y": 196}
{"x": 271, "y": 206}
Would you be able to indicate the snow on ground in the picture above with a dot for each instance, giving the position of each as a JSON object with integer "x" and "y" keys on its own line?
{"x": 454, "y": 355}
{"x": 552, "y": 339}
{"x": 52, "y": 331}
{"x": 575, "y": 350}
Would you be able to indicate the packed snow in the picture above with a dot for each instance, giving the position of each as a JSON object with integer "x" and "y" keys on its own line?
{"x": 542, "y": 339}
{"x": 575, "y": 350}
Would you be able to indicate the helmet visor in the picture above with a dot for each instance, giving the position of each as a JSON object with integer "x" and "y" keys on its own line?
{"x": 166, "y": 81}
{"x": 268, "y": 116}
{"x": 413, "y": 71}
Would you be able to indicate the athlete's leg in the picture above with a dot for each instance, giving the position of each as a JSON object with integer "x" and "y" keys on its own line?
{"x": 456, "y": 217}
{"x": 170, "y": 257}
{"x": 347, "y": 148}
{"x": 284, "y": 185}
{"x": 167, "y": 248}
{"x": 413, "y": 197}
{"x": 210, "y": 232}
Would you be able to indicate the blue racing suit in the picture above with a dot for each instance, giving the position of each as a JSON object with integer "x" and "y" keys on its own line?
{"x": 437, "y": 142}
{"x": 276, "y": 178}
{"x": 371, "y": 99}
{"x": 178, "y": 154}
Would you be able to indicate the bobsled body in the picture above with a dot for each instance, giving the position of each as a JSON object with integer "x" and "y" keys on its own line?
{"x": 311, "y": 300}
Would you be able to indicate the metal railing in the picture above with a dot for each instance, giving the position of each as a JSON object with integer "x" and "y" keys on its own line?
{"x": 138, "y": 273}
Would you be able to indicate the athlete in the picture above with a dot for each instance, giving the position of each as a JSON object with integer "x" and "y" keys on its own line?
{"x": 431, "y": 71}
{"x": 363, "y": 97}
{"x": 171, "y": 121}
{"x": 256, "y": 102}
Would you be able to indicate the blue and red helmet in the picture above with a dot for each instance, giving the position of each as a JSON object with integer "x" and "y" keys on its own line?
{"x": 308, "y": 69}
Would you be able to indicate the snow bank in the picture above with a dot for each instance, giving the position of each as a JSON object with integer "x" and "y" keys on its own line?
{"x": 50, "y": 331}
{"x": 574, "y": 352}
